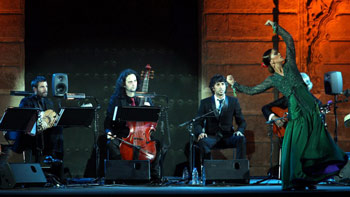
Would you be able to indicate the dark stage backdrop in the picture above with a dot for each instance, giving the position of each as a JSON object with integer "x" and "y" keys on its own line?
{"x": 92, "y": 41}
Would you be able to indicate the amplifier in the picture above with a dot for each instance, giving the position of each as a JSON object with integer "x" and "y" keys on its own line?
{"x": 22, "y": 174}
{"x": 227, "y": 170}
{"x": 127, "y": 170}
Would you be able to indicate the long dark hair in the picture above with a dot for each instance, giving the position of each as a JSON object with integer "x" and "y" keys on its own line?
{"x": 267, "y": 59}
{"x": 119, "y": 91}
{"x": 120, "y": 83}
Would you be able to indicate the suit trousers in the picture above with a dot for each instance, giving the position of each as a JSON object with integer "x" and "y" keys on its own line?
{"x": 215, "y": 142}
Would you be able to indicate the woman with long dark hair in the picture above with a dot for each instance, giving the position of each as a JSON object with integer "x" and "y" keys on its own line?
{"x": 309, "y": 154}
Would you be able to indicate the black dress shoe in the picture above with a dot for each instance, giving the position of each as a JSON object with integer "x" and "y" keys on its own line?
{"x": 295, "y": 188}
{"x": 311, "y": 187}
{"x": 299, "y": 188}
{"x": 156, "y": 180}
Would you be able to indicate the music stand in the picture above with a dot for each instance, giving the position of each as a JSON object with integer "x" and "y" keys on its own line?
{"x": 19, "y": 119}
{"x": 138, "y": 114}
{"x": 135, "y": 114}
{"x": 78, "y": 117}
{"x": 75, "y": 116}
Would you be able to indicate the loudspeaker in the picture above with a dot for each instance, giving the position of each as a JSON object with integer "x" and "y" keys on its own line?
{"x": 344, "y": 174}
{"x": 236, "y": 170}
{"x": 333, "y": 82}
{"x": 127, "y": 170}
{"x": 22, "y": 174}
{"x": 59, "y": 84}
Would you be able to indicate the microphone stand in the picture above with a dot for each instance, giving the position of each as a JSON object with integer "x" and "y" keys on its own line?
{"x": 336, "y": 120}
{"x": 97, "y": 151}
{"x": 98, "y": 106}
{"x": 164, "y": 117}
{"x": 335, "y": 116}
{"x": 270, "y": 128}
{"x": 189, "y": 129}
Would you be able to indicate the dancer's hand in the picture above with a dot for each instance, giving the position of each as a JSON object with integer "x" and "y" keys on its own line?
{"x": 268, "y": 22}
{"x": 230, "y": 79}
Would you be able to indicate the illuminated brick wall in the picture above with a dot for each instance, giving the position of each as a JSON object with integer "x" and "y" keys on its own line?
{"x": 11, "y": 51}
{"x": 233, "y": 39}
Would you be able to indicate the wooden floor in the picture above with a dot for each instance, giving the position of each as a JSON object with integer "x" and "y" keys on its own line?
{"x": 174, "y": 186}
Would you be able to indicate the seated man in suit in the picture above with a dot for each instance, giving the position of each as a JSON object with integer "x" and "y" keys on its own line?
{"x": 216, "y": 130}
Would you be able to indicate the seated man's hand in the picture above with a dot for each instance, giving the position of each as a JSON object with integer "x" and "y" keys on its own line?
{"x": 238, "y": 133}
{"x": 202, "y": 135}
{"x": 279, "y": 123}
{"x": 110, "y": 136}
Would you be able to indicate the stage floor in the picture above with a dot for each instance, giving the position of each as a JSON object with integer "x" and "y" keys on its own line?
{"x": 174, "y": 186}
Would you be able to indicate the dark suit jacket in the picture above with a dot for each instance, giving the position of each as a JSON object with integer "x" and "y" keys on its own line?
{"x": 222, "y": 123}
{"x": 33, "y": 102}
{"x": 281, "y": 103}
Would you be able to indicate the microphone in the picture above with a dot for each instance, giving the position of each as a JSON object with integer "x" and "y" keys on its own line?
{"x": 145, "y": 94}
{"x": 196, "y": 118}
{"x": 21, "y": 93}
{"x": 330, "y": 102}
{"x": 346, "y": 93}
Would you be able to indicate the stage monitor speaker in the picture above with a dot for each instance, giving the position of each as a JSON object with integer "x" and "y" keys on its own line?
{"x": 333, "y": 82}
{"x": 344, "y": 175}
{"x": 22, "y": 174}
{"x": 127, "y": 170}
{"x": 59, "y": 84}
{"x": 236, "y": 170}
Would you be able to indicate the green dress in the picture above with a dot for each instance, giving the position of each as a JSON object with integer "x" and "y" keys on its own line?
{"x": 309, "y": 154}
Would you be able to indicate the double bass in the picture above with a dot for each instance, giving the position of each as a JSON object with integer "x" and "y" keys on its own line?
{"x": 138, "y": 144}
